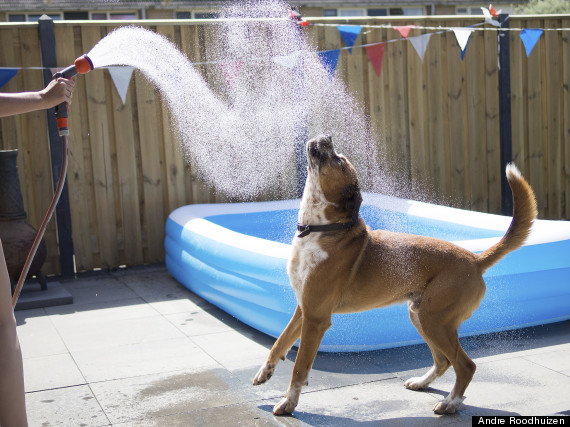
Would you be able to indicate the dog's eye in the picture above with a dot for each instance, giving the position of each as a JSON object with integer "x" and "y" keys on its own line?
{"x": 338, "y": 160}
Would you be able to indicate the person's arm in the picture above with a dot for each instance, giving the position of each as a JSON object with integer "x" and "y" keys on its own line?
{"x": 56, "y": 92}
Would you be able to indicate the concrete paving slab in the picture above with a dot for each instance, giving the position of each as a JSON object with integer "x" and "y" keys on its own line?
{"x": 203, "y": 322}
{"x": 100, "y": 290}
{"x": 38, "y": 335}
{"x": 156, "y": 396}
{"x": 69, "y": 406}
{"x": 104, "y": 334}
{"x": 50, "y": 372}
{"x": 105, "y": 364}
{"x": 235, "y": 349}
{"x": 203, "y": 374}
{"x": 557, "y": 360}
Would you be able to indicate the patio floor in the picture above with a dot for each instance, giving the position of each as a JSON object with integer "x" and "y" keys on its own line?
{"x": 136, "y": 348}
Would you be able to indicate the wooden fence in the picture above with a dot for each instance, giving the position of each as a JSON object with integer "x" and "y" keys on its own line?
{"x": 438, "y": 121}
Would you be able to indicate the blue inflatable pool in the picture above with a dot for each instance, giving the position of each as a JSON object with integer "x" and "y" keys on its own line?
{"x": 235, "y": 256}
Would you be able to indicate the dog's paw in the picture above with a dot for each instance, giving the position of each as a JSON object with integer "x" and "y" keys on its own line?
{"x": 416, "y": 383}
{"x": 447, "y": 406}
{"x": 264, "y": 373}
{"x": 285, "y": 407}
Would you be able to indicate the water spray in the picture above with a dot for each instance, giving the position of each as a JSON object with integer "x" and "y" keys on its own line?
{"x": 82, "y": 65}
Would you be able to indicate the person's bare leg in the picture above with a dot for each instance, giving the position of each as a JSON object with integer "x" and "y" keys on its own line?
{"x": 12, "y": 394}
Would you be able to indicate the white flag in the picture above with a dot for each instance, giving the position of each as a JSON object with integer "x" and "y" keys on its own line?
{"x": 289, "y": 61}
{"x": 121, "y": 77}
{"x": 420, "y": 43}
{"x": 462, "y": 35}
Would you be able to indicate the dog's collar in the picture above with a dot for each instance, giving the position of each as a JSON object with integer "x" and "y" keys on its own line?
{"x": 305, "y": 230}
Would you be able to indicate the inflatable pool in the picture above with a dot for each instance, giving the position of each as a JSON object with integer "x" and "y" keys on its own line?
{"x": 235, "y": 256}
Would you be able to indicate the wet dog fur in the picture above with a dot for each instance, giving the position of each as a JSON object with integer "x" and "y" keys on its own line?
{"x": 356, "y": 269}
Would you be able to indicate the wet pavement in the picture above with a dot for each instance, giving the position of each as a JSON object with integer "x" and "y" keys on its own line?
{"x": 136, "y": 348}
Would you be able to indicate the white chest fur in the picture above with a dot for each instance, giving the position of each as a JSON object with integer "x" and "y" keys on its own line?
{"x": 307, "y": 253}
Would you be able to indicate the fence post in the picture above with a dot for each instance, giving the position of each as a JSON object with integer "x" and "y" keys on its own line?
{"x": 506, "y": 135}
{"x": 63, "y": 213}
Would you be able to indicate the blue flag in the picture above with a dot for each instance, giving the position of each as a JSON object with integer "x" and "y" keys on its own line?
{"x": 6, "y": 75}
{"x": 529, "y": 37}
{"x": 349, "y": 34}
{"x": 329, "y": 59}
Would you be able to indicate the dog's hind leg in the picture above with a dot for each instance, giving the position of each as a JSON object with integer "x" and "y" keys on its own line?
{"x": 279, "y": 350}
{"x": 440, "y": 362}
{"x": 312, "y": 334}
{"x": 446, "y": 339}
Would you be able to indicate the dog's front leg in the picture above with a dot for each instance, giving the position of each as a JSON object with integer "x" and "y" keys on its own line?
{"x": 279, "y": 350}
{"x": 312, "y": 334}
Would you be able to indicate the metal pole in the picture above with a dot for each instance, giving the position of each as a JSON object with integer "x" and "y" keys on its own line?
{"x": 506, "y": 135}
{"x": 63, "y": 213}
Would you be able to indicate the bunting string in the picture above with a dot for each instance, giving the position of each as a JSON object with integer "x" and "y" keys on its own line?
{"x": 349, "y": 32}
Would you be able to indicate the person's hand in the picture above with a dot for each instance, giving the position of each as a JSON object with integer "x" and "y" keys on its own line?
{"x": 57, "y": 91}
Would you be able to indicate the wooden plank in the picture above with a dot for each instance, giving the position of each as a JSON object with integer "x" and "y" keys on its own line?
{"x": 457, "y": 114}
{"x": 438, "y": 139}
{"x": 80, "y": 169}
{"x": 152, "y": 157}
{"x": 102, "y": 152}
{"x": 537, "y": 143}
{"x": 519, "y": 110}
{"x": 174, "y": 162}
{"x": 477, "y": 141}
{"x": 419, "y": 158}
{"x": 190, "y": 45}
{"x": 399, "y": 117}
{"x": 10, "y": 57}
{"x": 566, "y": 117}
{"x": 554, "y": 130}
{"x": 36, "y": 144}
{"x": 377, "y": 99}
{"x": 491, "y": 120}
{"x": 129, "y": 228}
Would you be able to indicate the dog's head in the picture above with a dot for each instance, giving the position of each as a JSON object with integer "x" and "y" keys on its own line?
{"x": 336, "y": 176}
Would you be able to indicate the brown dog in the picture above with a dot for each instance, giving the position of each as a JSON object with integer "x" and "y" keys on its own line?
{"x": 339, "y": 265}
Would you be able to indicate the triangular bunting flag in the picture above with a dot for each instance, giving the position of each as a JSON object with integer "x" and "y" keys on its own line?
{"x": 489, "y": 17}
{"x": 289, "y": 61}
{"x": 6, "y": 75}
{"x": 420, "y": 43}
{"x": 349, "y": 34}
{"x": 404, "y": 30}
{"x": 529, "y": 37}
{"x": 231, "y": 71}
{"x": 329, "y": 59}
{"x": 376, "y": 53}
{"x": 121, "y": 78}
{"x": 462, "y": 35}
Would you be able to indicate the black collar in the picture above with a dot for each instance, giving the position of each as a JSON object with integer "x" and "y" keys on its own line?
{"x": 305, "y": 230}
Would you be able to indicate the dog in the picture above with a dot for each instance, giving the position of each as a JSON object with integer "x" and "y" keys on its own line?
{"x": 338, "y": 265}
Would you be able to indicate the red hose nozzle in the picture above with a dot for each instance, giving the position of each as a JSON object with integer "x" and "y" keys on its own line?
{"x": 83, "y": 64}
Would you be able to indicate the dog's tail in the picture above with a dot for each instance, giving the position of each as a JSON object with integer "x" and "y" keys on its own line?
{"x": 524, "y": 213}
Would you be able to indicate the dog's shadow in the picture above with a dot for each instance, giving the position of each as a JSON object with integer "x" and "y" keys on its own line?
{"x": 313, "y": 419}
{"x": 409, "y": 358}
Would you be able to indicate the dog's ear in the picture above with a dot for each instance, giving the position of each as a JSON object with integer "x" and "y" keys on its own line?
{"x": 352, "y": 199}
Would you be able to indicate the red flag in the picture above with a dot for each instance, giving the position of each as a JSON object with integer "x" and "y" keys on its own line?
{"x": 493, "y": 11}
{"x": 404, "y": 30}
{"x": 375, "y": 53}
